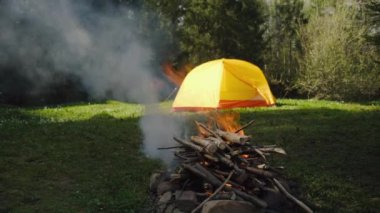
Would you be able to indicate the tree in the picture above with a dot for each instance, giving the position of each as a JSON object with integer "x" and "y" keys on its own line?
{"x": 373, "y": 11}
{"x": 338, "y": 63}
{"x": 281, "y": 55}
{"x": 212, "y": 29}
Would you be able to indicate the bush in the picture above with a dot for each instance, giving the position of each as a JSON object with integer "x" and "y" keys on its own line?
{"x": 338, "y": 63}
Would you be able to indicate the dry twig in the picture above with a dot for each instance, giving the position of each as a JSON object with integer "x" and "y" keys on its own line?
{"x": 291, "y": 197}
{"x": 213, "y": 194}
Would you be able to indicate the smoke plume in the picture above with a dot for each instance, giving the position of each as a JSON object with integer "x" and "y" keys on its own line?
{"x": 169, "y": 126}
{"x": 101, "y": 48}
{"x": 40, "y": 39}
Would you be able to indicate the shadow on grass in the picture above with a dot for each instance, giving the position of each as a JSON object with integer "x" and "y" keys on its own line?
{"x": 96, "y": 164}
{"x": 333, "y": 154}
{"x": 53, "y": 105}
{"x": 91, "y": 165}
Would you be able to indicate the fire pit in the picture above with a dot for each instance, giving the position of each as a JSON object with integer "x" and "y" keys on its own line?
{"x": 221, "y": 170}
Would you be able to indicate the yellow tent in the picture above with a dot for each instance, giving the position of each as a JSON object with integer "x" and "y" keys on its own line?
{"x": 223, "y": 83}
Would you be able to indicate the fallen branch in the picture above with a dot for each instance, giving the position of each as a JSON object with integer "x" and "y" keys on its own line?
{"x": 208, "y": 130}
{"x": 245, "y": 126}
{"x": 261, "y": 154}
{"x": 260, "y": 172}
{"x": 206, "y": 149}
{"x": 291, "y": 197}
{"x": 273, "y": 149}
{"x": 170, "y": 147}
{"x": 213, "y": 194}
{"x": 233, "y": 137}
{"x": 255, "y": 200}
{"x": 210, "y": 146}
{"x": 219, "y": 142}
{"x": 200, "y": 171}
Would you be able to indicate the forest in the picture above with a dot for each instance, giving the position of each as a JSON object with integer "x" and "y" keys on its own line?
{"x": 323, "y": 49}
{"x": 86, "y": 109}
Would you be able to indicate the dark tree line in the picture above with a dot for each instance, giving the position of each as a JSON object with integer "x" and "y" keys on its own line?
{"x": 288, "y": 39}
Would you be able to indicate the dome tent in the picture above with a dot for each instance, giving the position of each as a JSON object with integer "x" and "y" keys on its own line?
{"x": 223, "y": 83}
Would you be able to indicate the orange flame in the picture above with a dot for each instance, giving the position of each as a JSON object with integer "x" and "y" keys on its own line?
{"x": 245, "y": 156}
{"x": 176, "y": 75}
{"x": 228, "y": 121}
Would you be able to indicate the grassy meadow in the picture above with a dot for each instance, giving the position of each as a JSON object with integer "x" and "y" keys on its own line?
{"x": 88, "y": 158}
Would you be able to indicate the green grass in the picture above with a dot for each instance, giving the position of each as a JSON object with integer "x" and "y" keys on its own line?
{"x": 72, "y": 159}
{"x": 333, "y": 150}
{"x": 87, "y": 158}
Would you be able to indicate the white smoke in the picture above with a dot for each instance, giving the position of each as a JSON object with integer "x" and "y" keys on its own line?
{"x": 102, "y": 48}
{"x": 159, "y": 129}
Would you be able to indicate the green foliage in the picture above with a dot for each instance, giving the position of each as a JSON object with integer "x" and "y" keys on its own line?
{"x": 213, "y": 29}
{"x": 158, "y": 29}
{"x": 373, "y": 11}
{"x": 281, "y": 56}
{"x": 338, "y": 63}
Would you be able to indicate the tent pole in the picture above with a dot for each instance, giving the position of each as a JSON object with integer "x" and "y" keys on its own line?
{"x": 171, "y": 93}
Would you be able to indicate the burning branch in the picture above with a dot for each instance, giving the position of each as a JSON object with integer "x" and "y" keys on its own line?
{"x": 223, "y": 164}
{"x": 245, "y": 126}
{"x": 233, "y": 137}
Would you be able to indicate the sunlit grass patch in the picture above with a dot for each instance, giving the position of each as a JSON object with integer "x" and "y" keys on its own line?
{"x": 87, "y": 156}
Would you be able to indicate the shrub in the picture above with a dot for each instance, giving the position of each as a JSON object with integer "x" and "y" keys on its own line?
{"x": 338, "y": 63}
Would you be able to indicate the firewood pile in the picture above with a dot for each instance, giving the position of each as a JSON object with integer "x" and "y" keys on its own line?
{"x": 222, "y": 171}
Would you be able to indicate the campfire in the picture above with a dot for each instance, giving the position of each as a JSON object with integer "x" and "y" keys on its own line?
{"x": 222, "y": 170}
